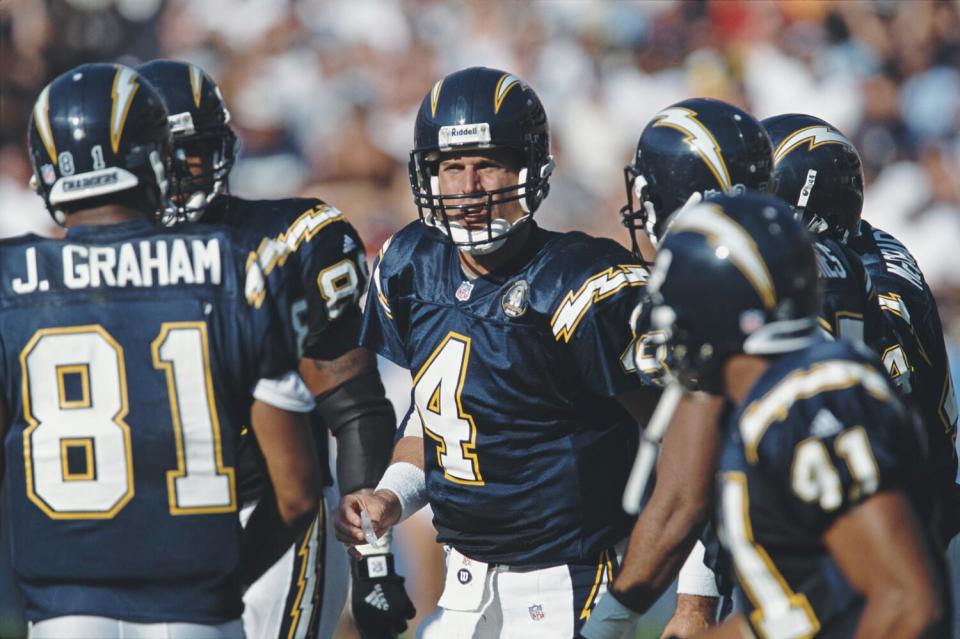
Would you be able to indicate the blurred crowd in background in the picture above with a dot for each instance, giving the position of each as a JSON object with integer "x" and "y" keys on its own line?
{"x": 324, "y": 93}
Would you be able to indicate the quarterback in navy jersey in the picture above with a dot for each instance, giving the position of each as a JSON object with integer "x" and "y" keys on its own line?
{"x": 132, "y": 356}
{"x": 824, "y": 490}
{"x": 819, "y": 171}
{"x": 514, "y": 337}
{"x": 327, "y": 272}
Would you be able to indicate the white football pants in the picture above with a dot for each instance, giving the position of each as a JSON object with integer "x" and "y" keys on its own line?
{"x": 84, "y": 627}
{"x": 306, "y": 587}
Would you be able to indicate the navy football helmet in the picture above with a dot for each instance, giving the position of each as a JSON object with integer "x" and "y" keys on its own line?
{"x": 98, "y": 130}
{"x": 817, "y": 170}
{"x": 734, "y": 274}
{"x": 689, "y": 150}
{"x": 480, "y": 108}
{"x": 200, "y": 123}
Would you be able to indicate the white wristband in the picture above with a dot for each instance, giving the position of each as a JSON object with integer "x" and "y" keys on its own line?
{"x": 409, "y": 484}
{"x": 695, "y": 578}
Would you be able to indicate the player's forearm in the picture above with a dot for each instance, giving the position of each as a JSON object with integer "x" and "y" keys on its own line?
{"x": 734, "y": 627}
{"x": 268, "y": 535}
{"x": 660, "y": 542}
{"x": 291, "y": 459}
{"x": 672, "y": 520}
{"x": 896, "y": 614}
{"x": 410, "y": 450}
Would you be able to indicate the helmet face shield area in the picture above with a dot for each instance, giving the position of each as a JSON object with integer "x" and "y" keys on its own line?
{"x": 473, "y": 221}
{"x": 205, "y": 146}
{"x": 639, "y": 213}
{"x": 201, "y": 166}
{"x": 480, "y": 111}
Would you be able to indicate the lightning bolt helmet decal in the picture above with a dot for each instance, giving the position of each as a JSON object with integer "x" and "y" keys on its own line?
{"x": 700, "y": 138}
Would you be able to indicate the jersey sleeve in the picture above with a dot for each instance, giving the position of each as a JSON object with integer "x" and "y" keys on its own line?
{"x": 592, "y": 320}
{"x": 838, "y": 448}
{"x": 650, "y": 356}
{"x": 379, "y": 329}
{"x": 268, "y": 340}
{"x": 333, "y": 268}
{"x": 411, "y": 425}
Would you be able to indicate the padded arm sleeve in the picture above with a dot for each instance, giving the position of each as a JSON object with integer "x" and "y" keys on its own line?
{"x": 361, "y": 418}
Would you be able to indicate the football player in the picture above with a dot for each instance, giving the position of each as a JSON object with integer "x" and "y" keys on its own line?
{"x": 306, "y": 590}
{"x": 690, "y": 150}
{"x": 824, "y": 487}
{"x": 818, "y": 170}
{"x": 695, "y": 149}
{"x": 132, "y": 356}
{"x": 523, "y": 423}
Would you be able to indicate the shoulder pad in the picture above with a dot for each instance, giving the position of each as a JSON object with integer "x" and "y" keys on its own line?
{"x": 591, "y": 269}
{"x": 400, "y": 249}
{"x": 305, "y": 226}
{"x": 802, "y": 385}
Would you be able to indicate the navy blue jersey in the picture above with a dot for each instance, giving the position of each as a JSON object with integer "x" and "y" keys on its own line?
{"x": 526, "y": 448}
{"x": 909, "y": 305}
{"x": 129, "y": 354}
{"x": 327, "y": 269}
{"x": 820, "y": 432}
{"x": 850, "y": 308}
{"x": 327, "y": 253}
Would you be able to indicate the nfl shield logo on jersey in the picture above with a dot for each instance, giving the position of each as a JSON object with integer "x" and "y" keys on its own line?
{"x": 536, "y": 612}
{"x": 463, "y": 293}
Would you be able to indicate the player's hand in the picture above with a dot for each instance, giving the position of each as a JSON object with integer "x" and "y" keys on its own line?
{"x": 379, "y": 602}
{"x": 382, "y": 506}
{"x": 692, "y": 616}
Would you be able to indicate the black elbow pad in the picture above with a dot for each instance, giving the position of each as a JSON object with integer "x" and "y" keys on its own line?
{"x": 362, "y": 419}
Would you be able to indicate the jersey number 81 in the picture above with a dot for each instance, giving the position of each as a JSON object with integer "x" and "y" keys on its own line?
{"x": 90, "y": 424}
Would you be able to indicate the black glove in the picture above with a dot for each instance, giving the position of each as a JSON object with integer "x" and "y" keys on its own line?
{"x": 379, "y": 602}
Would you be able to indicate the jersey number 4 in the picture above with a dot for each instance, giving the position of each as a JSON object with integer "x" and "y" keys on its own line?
{"x": 77, "y": 449}
{"x": 437, "y": 389}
